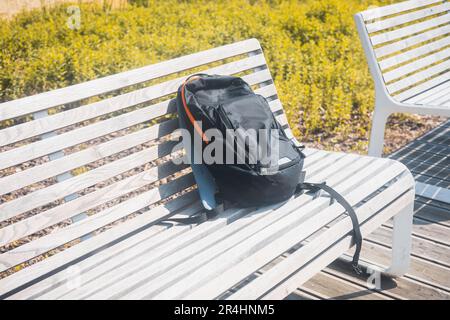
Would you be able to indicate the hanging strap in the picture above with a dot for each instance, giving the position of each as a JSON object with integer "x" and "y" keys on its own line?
{"x": 357, "y": 237}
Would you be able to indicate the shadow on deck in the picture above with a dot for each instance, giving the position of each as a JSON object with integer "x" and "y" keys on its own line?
{"x": 429, "y": 276}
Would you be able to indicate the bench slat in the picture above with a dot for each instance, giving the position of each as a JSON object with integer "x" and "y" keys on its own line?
{"x": 92, "y": 223}
{"x": 92, "y": 88}
{"x": 423, "y": 87}
{"x": 411, "y": 41}
{"x": 431, "y": 94}
{"x": 414, "y": 53}
{"x": 396, "y": 8}
{"x": 442, "y": 101}
{"x": 419, "y": 76}
{"x": 405, "y": 18}
{"x": 409, "y": 30}
{"x": 106, "y": 106}
{"x": 416, "y": 65}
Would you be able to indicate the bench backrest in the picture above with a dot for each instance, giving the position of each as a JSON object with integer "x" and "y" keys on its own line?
{"x": 97, "y": 152}
{"x": 407, "y": 45}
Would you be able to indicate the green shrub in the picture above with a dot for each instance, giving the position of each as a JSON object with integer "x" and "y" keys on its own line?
{"x": 312, "y": 49}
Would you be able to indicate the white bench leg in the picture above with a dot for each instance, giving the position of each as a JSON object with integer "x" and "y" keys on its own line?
{"x": 377, "y": 133}
{"x": 401, "y": 242}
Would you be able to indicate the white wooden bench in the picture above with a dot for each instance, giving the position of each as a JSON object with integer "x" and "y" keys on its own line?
{"x": 407, "y": 49}
{"x": 100, "y": 254}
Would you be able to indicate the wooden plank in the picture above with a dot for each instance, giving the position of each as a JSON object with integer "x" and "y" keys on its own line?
{"x": 420, "y": 270}
{"x": 25, "y": 277}
{"x": 423, "y": 50}
{"x": 327, "y": 286}
{"x": 282, "y": 120}
{"x": 289, "y": 236}
{"x": 412, "y": 41}
{"x": 53, "y": 240}
{"x": 419, "y": 76}
{"x": 423, "y": 87}
{"x": 107, "y": 106}
{"x": 92, "y": 88}
{"x": 396, "y": 8}
{"x": 440, "y": 136}
{"x": 438, "y": 169}
{"x": 421, "y": 248}
{"x": 409, "y": 30}
{"x": 76, "y": 136}
{"x": 423, "y": 168}
{"x": 432, "y": 148}
{"x": 416, "y": 65}
{"x": 433, "y": 203}
{"x": 400, "y": 288}
{"x": 407, "y": 17}
{"x": 429, "y": 231}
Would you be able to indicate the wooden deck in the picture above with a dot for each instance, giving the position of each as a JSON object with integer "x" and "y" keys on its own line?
{"x": 429, "y": 276}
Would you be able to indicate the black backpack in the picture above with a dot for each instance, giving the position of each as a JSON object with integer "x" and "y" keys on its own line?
{"x": 223, "y": 111}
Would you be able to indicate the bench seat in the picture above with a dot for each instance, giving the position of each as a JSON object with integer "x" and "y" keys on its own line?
{"x": 91, "y": 201}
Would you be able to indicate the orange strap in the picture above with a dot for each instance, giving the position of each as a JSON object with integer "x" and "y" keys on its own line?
{"x": 189, "y": 114}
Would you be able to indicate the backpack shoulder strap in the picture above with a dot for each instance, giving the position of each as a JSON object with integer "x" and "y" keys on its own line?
{"x": 357, "y": 237}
